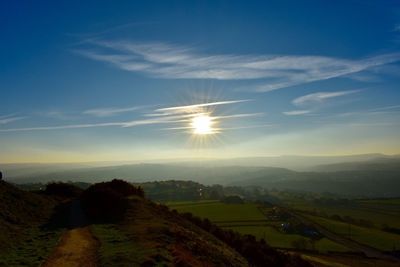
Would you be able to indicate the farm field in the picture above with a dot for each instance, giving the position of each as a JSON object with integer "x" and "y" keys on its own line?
{"x": 377, "y": 213}
{"x": 368, "y": 236}
{"x": 248, "y": 218}
{"x": 325, "y": 260}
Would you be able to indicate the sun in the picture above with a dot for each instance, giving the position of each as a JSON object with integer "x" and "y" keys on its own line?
{"x": 202, "y": 124}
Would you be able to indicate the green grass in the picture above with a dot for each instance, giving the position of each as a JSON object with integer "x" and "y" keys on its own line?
{"x": 326, "y": 245}
{"x": 116, "y": 249}
{"x": 368, "y": 236}
{"x": 389, "y": 201}
{"x": 222, "y": 213}
{"x": 120, "y": 247}
{"x": 218, "y": 211}
{"x": 378, "y": 212}
{"x": 280, "y": 240}
{"x": 270, "y": 234}
{"x": 31, "y": 251}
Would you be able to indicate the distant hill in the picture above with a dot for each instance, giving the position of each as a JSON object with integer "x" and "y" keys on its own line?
{"x": 376, "y": 164}
{"x": 293, "y": 162}
{"x": 143, "y": 173}
{"x": 371, "y": 183}
{"x": 299, "y": 163}
{"x": 372, "y": 175}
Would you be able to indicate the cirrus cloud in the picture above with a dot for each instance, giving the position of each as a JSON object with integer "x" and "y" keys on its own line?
{"x": 162, "y": 60}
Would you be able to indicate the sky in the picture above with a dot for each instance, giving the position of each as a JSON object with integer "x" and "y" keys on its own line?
{"x": 142, "y": 80}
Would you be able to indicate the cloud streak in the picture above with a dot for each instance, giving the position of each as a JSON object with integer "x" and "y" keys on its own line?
{"x": 169, "y": 61}
{"x": 296, "y": 112}
{"x": 170, "y": 115}
{"x": 197, "y": 107}
{"x": 5, "y": 119}
{"x": 320, "y": 97}
{"x": 108, "y": 112}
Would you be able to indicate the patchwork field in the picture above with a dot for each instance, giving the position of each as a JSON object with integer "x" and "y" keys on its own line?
{"x": 376, "y": 213}
{"x": 369, "y": 236}
{"x": 371, "y": 222}
{"x": 250, "y": 218}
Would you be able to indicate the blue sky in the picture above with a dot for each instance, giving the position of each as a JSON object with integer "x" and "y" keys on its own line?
{"x": 100, "y": 81}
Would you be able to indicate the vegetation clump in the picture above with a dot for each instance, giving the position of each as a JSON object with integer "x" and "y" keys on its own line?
{"x": 107, "y": 201}
{"x": 63, "y": 189}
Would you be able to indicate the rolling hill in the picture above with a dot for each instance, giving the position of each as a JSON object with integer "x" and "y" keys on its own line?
{"x": 146, "y": 233}
{"x": 373, "y": 177}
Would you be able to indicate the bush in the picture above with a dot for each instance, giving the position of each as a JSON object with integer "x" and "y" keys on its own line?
{"x": 108, "y": 201}
{"x": 63, "y": 189}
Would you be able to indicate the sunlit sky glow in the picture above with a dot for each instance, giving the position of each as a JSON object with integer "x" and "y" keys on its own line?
{"x": 187, "y": 79}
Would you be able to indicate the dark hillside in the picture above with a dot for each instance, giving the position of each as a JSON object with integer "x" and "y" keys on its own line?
{"x": 22, "y": 215}
{"x": 19, "y": 210}
{"x": 149, "y": 234}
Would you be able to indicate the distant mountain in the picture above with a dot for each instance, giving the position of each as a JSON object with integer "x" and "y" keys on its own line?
{"x": 368, "y": 183}
{"x": 33, "y": 169}
{"x": 299, "y": 163}
{"x": 376, "y": 175}
{"x": 144, "y": 173}
{"x": 377, "y": 164}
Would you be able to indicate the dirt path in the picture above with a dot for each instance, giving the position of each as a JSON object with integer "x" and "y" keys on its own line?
{"x": 77, "y": 246}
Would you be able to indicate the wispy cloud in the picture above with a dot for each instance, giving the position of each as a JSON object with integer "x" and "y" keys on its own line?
{"x": 197, "y": 107}
{"x": 226, "y": 128}
{"x": 320, "y": 97}
{"x": 296, "y": 112}
{"x": 124, "y": 124}
{"x": 5, "y": 119}
{"x": 179, "y": 62}
{"x": 108, "y": 112}
{"x": 386, "y": 108}
{"x": 169, "y": 115}
{"x": 395, "y": 109}
{"x": 61, "y": 127}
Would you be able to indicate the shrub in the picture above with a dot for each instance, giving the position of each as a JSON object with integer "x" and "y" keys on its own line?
{"x": 108, "y": 201}
{"x": 62, "y": 189}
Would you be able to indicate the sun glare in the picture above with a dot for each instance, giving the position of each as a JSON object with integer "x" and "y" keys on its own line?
{"x": 202, "y": 124}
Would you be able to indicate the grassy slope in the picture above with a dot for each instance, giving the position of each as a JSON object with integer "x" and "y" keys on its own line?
{"x": 154, "y": 236}
{"x": 22, "y": 241}
{"x": 217, "y": 212}
{"x": 320, "y": 260}
{"x": 379, "y": 212}
{"x": 368, "y": 236}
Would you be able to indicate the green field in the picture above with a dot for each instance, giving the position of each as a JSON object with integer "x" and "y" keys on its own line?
{"x": 217, "y": 211}
{"x": 368, "y": 236}
{"x": 248, "y": 218}
{"x": 378, "y": 212}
